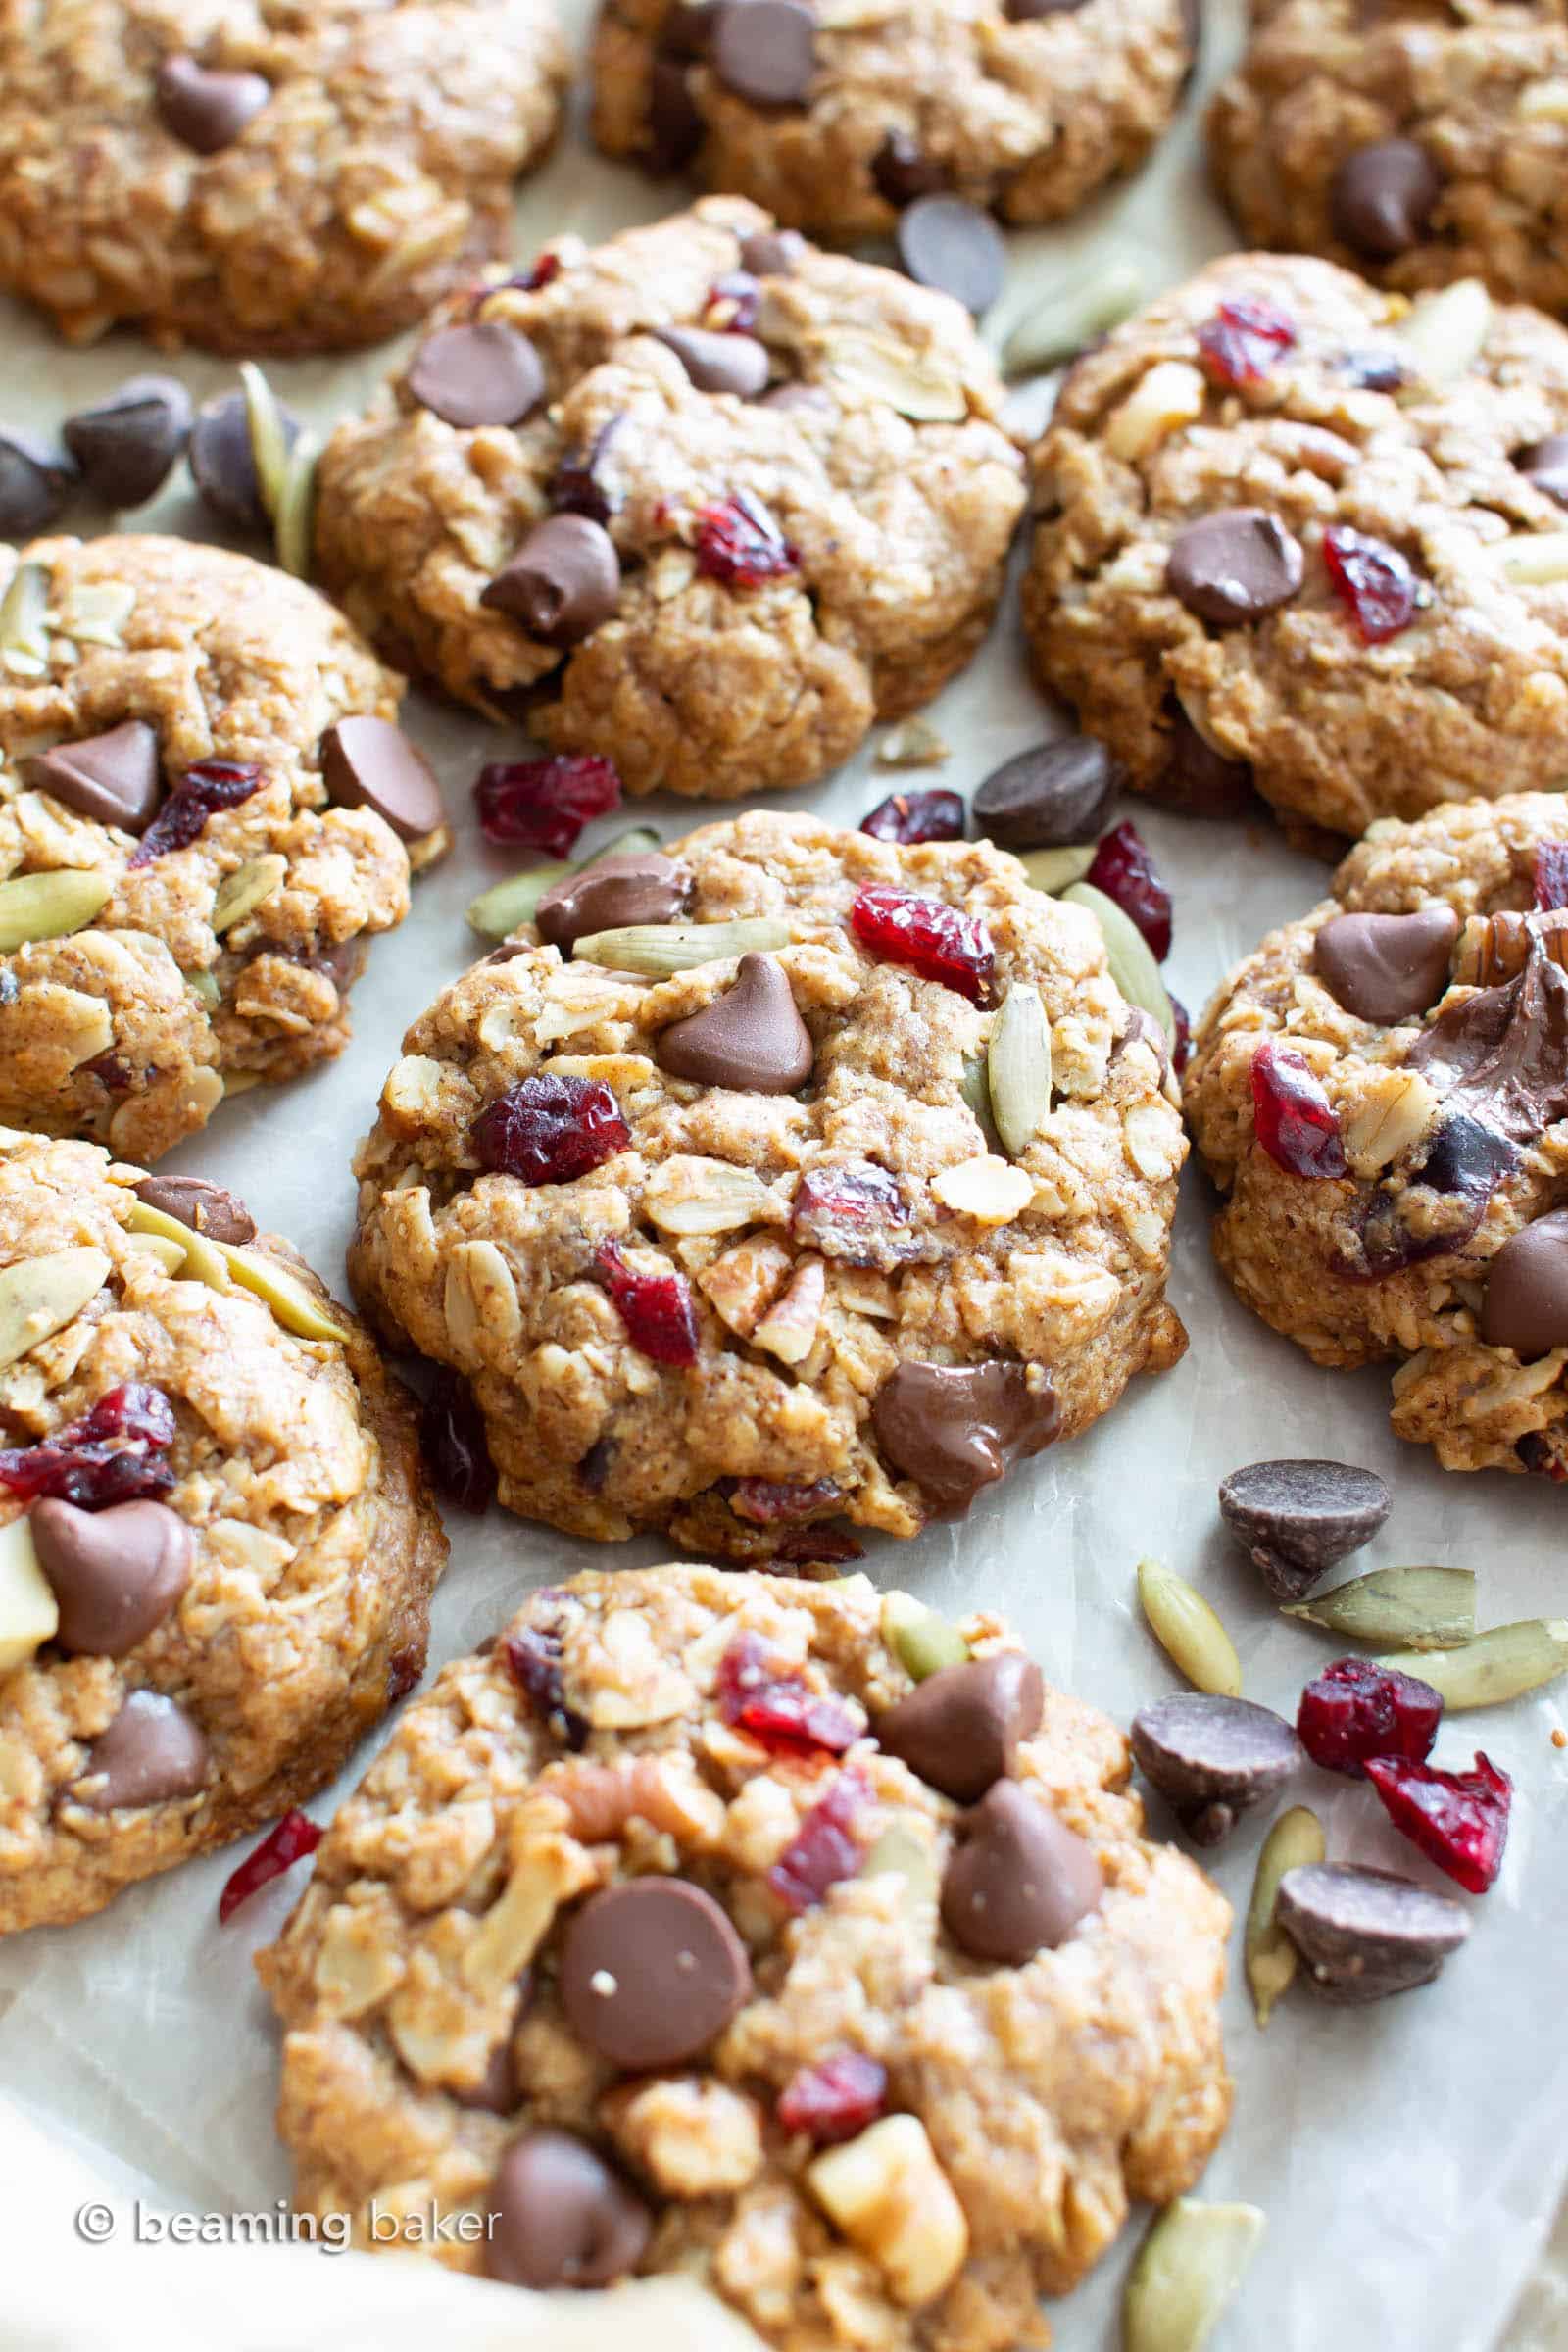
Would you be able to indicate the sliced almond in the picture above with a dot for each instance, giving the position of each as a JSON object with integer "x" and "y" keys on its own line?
{"x": 550, "y": 1872}
{"x": 25, "y": 621}
{"x": 1535, "y": 558}
{"x": 40, "y": 1296}
{"x": 686, "y": 1195}
{"x": 985, "y": 1189}
{"x": 1443, "y": 332}
{"x": 1396, "y": 1109}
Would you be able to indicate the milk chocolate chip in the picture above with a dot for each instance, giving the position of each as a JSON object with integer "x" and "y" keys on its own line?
{"x": 486, "y": 373}
{"x": 1386, "y": 967}
{"x": 563, "y": 580}
{"x": 1381, "y": 198}
{"x": 205, "y": 1207}
{"x": 955, "y": 1427}
{"x": 116, "y": 779}
{"x": 766, "y": 50}
{"x": 1526, "y": 1307}
{"x": 651, "y": 1971}
{"x": 116, "y": 1574}
{"x": 960, "y": 1729}
{"x": 1235, "y": 566}
{"x": 370, "y": 764}
{"x": 642, "y": 886}
{"x": 750, "y": 1038}
{"x": 1018, "y": 1881}
{"x": 150, "y": 1754}
{"x": 560, "y": 2216}
{"x": 204, "y": 110}
{"x": 718, "y": 362}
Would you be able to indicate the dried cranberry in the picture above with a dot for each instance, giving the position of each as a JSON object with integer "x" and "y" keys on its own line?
{"x": 402, "y": 1670}
{"x": 1125, "y": 872}
{"x": 938, "y": 941}
{"x": 112, "y": 1073}
{"x": 544, "y": 803}
{"x": 1459, "y": 1819}
{"x": 452, "y": 1440}
{"x": 1181, "y": 1052}
{"x": 823, "y": 1849}
{"x": 739, "y": 543}
{"x": 835, "y": 2101}
{"x": 1374, "y": 583}
{"x": 1538, "y": 1457}
{"x": 818, "y": 1546}
{"x": 202, "y": 791}
{"x": 911, "y": 817}
{"x": 767, "y": 1500}
{"x": 1295, "y": 1121}
{"x": 1354, "y": 1709}
{"x": 1552, "y": 875}
{"x": 545, "y": 269}
{"x": 837, "y": 1210}
{"x": 733, "y": 302}
{"x": 548, "y": 1128}
{"x": 111, "y": 1454}
{"x": 762, "y": 1694}
{"x": 533, "y": 1661}
{"x": 1242, "y": 341}
{"x": 656, "y": 1308}
{"x": 288, "y": 1841}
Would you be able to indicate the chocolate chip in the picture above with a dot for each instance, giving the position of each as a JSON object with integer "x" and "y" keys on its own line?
{"x": 1018, "y": 1879}
{"x": 127, "y": 444}
{"x": 495, "y": 2092}
{"x": 1299, "y": 1519}
{"x": 958, "y": 1731}
{"x": 1545, "y": 465}
{"x": 150, "y": 1754}
{"x": 752, "y": 1038}
{"x": 718, "y": 362}
{"x": 651, "y": 1971}
{"x": 1526, "y": 1305}
{"x": 676, "y": 128}
{"x": 642, "y": 886}
{"x": 1373, "y": 370}
{"x": 902, "y": 172}
{"x": 1024, "y": 12}
{"x": 204, "y": 110}
{"x": 1235, "y": 566}
{"x": 562, "y": 582}
{"x": 1051, "y": 795}
{"x": 223, "y": 464}
{"x": 205, "y": 1207}
{"x": 35, "y": 480}
{"x": 1199, "y": 780}
{"x": 561, "y": 2217}
{"x": 1502, "y": 1053}
{"x": 370, "y": 764}
{"x": 687, "y": 30}
{"x": 116, "y": 779}
{"x": 955, "y": 247}
{"x": 955, "y": 1427}
{"x": 1213, "y": 1758}
{"x": 1386, "y": 967}
{"x": 1381, "y": 198}
{"x": 581, "y": 484}
{"x": 486, "y": 373}
{"x": 116, "y": 1574}
{"x": 1366, "y": 1933}
{"x": 766, "y": 50}
{"x": 772, "y": 252}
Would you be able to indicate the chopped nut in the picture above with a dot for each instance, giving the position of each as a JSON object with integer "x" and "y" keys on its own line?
{"x": 708, "y": 1196}
{"x": 1153, "y": 1140}
{"x": 987, "y": 1189}
{"x": 29, "y": 1615}
{"x": 916, "y": 744}
{"x": 1396, "y": 1109}
{"x": 1172, "y": 394}
{"x": 480, "y": 1299}
{"x": 412, "y": 1088}
{"x": 789, "y": 1327}
{"x": 917, "y": 384}
{"x": 1443, "y": 332}
{"x": 664, "y": 1791}
{"x": 552, "y": 1868}
{"x": 743, "y": 1283}
{"x": 634, "y": 1684}
{"x": 890, "y": 2199}
{"x": 694, "y": 2137}
{"x": 1543, "y": 102}
{"x": 357, "y": 1962}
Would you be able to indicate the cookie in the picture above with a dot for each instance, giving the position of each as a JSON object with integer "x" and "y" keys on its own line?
{"x": 265, "y": 179}
{"x": 736, "y": 1250}
{"x": 1379, "y": 1092}
{"x": 1416, "y": 144}
{"x": 1296, "y": 533}
{"x": 681, "y": 1930}
{"x": 204, "y": 810}
{"x": 216, "y": 1547}
{"x": 840, "y": 118}
{"x": 703, "y": 502}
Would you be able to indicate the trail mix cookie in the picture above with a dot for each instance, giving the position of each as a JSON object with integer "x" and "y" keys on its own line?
{"x": 685, "y": 1929}
{"x": 204, "y": 810}
{"x": 840, "y": 118}
{"x": 836, "y": 1183}
{"x": 703, "y": 502}
{"x": 1417, "y": 142}
{"x": 216, "y": 1547}
{"x": 1296, "y": 532}
{"x": 1380, "y": 1093}
{"x": 266, "y": 177}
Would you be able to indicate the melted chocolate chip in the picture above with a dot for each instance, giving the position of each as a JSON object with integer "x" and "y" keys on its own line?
{"x": 902, "y": 172}
{"x": 1199, "y": 780}
{"x": 642, "y": 886}
{"x": 1386, "y": 967}
{"x": 126, "y": 443}
{"x": 486, "y": 373}
{"x": 1024, "y": 12}
{"x": 151, "y": 1754}
{"x": 370, "y": 764}
{"x": 1018, "y": 1881}
{"x": 560, "y": 2216}
{"x": 960, "y": 1729}
{"x": 562, "y": 582}
{"x": 1235, "y": 566}
{"x": 718, "y": 362}
{"x": 1502, "y": 1053}
{"x": 207, "y": 111}
{"x": 1526, "y": 1305}
{"x": 116, "y": 1574}
{"x": 116, "y": 779}
{"x": 1381, "y": 198}
{"x": 954, "y": 1429}
{"x": 1051, "y": 795}
{"x": 955, "y": 247}
{"x": 766, "y": 50}
{"x": 752, "y": 1038}
{"x": 651, "y": 1971}
{"x": 205, "y": 1207}
{"x": 676, "y": 128}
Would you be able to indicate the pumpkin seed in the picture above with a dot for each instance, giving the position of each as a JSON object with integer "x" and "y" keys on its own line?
{"x": 1071, "y": 314}
{"x": 1502, "y": 1663}
{"x": 295, "y": 509}
{"x": 1297, "y": 1839}
{"x": 49, "y": 906}
{"x": 29, "y": 1614}
{"x": 250, "y": 886}
{"x": 201, "y": 1260}
{"x": 40, "y": 1296}
{"x": 915, "y": 383}
{"x": 922, "y": 1642}
{"x": 290, "y": 1301}
{"x": 1188, "y": 1629}
{"x": 1425, "y": 1608}
{"x": 1184, "y": 2274}
{"x": 268, "y": 439}
{"x": 1051, "y": 871}
{"x": 24, "y": 619}
{"x": 170, "y": 1256}
{"x": 205, "y": 985}
{"x": 899, "y": 1853}
{"x": 1018, "y": 1068}
{"x": 634, "y": 839}
{"x": 658, "y": 951}
{"x": 975, "y": 1088}
{"x": 1127, "y": 951}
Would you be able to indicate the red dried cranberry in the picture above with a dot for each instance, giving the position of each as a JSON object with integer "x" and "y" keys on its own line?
{"x": 656, "y": 1308}
{"x": 402, "y": 1670}
{"x": 739, "y": 543}
{"x": 533, "y": 1661}
{"x": 544, "y": 803}
{"x": 911, "y": 817}
{"x": 938, "y": 941}
{"x": 835, "y": 2101}
{"x": 1354, "y": 1709}
{"x": 1459, "y": 1819}
{"x": 1552, "y": 875}
{"x": 767, "y": 1500}
{"x": 1295, "y": 1121}
{"x": 288, "y": 1841}
{"x": 760, "y": 1693}
{"x": 545, "y": 269}
{"x": 1374, "y": 583}
{"x": 202, "y": 791}
{"x": 823, "y": 1849}
{"x": 1125, "y": 872}
{"x": 1181, "y": 1052}
{"x": 1244, "y": 339}
{"x": 836, "y": 1208}
{"x": 111, "y": 1454}
{"x": 452, "y": 1440}
{"x": 741, "y": 297}
{"x": 548, "y": 1128}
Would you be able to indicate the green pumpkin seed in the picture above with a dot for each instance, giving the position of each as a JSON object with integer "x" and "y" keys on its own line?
{"x": 290, "y": 1301}
{"x": 201, "y": 1260}
{"x": 205, "y": 985}
{"x": 1018, "y": 1068}
{"x": 270, "y": 449}
{"x": 296, "y": 508}
{"x": 898, "y": 1851}
{"x": 922, "y": 1642}
{"x": 170, "y": 1256}
{"x": 632, "y": 841}
{"x": 1055, "y": 870}
{"x": 40, "y": 1296}
{"x": 658, "y": 951}
{"x": 250, "y": 886}
{"x": 1184, "y": 2274}
{"x": 1502, "y": 1663}
{"x": 24, "y": 619}
{"x": 1188, "y": 1631}
{"x": 1127, "y": 951}
{"x": 1425, "y": 1608}
{"x": 49, "y": 906}
{"x": 1071, "y": 314}
{"x": 507, "y": 905}
{"x": 975, "y": 1088}
{"x": 1297, "y": 1839}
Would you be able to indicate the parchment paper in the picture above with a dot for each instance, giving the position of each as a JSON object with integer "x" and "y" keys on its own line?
{"x": 1409, "y": 2157}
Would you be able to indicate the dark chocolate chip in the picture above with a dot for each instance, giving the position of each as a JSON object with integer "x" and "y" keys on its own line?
{"x": 955, "y": 1427}
{"x": 116, "y": 1574}
{"x": 205, "y": 1207}
{"x": 1465, "y": 1156}
{"x": 581, "y": 482}
{"x": 642, "y": 886}
{"x": 1545, "y": 465}
{"x": 116, "y": 779}
{"x": 205, "y": 110}
{"x": 687, "y": 30}
{"x": 495, "y": 2092}
{"x": 955, "y": 247}
{"x": 1299, "y": 1519}
{"x": 960, "y": 1728}
{"x": 752, "y": 1038}
{"x": 902, "y": 172}
{"x": 676, "y": 128}
{"x": 151, "y": 1754}
{"x": 560, "y": 2216}
{"x": 718, "y": 362}
{"x": 371, "y": 763}
{"x": 1386, "y": 967}
{"x": 1526, "y": 1305}
{"x": 1366, "y": 1933}
{"x": 772, "y": 252}
{"x": 127, "y": 444}
{"x": 766, "y": 50}
{"x": 35, "y": 480}
{"x": 1381, "y": 198}
{"x": 562, "y": 582}
{"x": 486, "y": 373}
{"x": 1049, "y": 795}
{"x": 1235, "y": 566}
{"x": 651, "y": 1971}
{"x": 1018, "y": 1879}
{"x": 1199, "y": 780}
{"x": 1502, "y": 1053}
{"x": 1024, "y": 12}
{"x": 222, "y": 462}
{"x": 1213, "y": 1758}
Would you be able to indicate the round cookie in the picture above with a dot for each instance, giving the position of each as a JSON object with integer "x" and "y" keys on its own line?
{"x": 838, "y": 119}
{"x": 1293, "y": 531}
{"x": 1380, "y": 1094}
{"x": 737, "y": 1252}
{"x": 217, "y": 1551}
{"x": 703, "y": 502}
{"x": 181, "y": 910}
{"x": 701, "y": 1823}
{"x": 264, "y": 178}
{"x": 1418, "y": 144}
